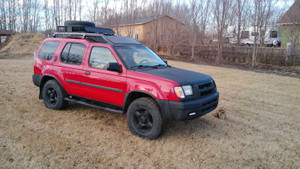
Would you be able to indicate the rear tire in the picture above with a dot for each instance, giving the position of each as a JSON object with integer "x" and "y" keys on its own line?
{"x": 144, "y": 118}
{"x": 53, "y": 96}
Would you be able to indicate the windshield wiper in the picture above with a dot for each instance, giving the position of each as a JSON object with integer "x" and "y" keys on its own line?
{"x": 147, "y": 66}
{"x": 139, "y": 66}
{"x": 158, "y": 65}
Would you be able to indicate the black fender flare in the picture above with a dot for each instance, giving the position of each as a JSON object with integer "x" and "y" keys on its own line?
{"x": 163, "y": 104}
{"x": 44, "y": 80}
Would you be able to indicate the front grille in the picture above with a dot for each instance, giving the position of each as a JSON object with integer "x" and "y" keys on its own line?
{"x": 206, "y": 89}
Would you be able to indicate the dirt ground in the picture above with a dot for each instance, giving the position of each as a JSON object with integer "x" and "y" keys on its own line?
{"x": 262, "y": 129}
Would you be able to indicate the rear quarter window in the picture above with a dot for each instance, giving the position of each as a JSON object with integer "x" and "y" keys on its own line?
{"x": 48, "y": 49}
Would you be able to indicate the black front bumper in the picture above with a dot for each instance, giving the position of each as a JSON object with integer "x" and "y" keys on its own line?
{"x": 173, "y": 110}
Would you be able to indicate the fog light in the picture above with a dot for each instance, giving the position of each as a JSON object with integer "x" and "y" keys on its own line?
{"x": 192, "y": 114}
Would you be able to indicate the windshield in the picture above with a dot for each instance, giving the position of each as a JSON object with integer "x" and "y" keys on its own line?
{"x": 139, "y": 57}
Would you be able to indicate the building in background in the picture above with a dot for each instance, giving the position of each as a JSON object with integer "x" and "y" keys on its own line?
{"x": 290, "y": 26}
{"x": 158, "y": 33}
{"x": 5, "y": 35}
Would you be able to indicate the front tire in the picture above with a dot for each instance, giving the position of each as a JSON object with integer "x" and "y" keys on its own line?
{"x": 144, "y": 118}
{"x": 53, "y": 96}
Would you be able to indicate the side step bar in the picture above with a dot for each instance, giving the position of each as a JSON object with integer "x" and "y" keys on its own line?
{"x": 94, "y": 105}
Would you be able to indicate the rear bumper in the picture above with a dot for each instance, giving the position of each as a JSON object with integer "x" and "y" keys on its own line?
{"x": 173, "y": 110}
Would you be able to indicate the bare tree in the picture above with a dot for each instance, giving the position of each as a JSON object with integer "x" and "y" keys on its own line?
{"x": 195, "y": 10}
{"x": 55, "y": 14}
{"x": 221, "y": 12}
{"x": 34, "y": 16}
{"x": 261, "y": 17}
{"x": 156, "y": 13}
{"x": 116, "y": 18}
{"x": 255, "y": 28}
{"x": 79, "y": 9}
{"x": 3, "y": 14}
{"x": 264, "y": 10}
{"x": 241, "y": 11}
{"x": 47, "y": 15}
{"x": 70, "y": 6}
{"x": 25, "y": 11}
{"x": 204, "y": 13}
{"x": 177, "y": 29}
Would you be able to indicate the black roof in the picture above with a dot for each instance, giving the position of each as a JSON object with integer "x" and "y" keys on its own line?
{"x": 104, "y": 31}
{"x": 121, "y": 40}
{"x": 7, "y": 32}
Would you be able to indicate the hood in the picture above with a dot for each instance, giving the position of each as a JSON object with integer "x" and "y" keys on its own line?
{"x": 181, "y": 76}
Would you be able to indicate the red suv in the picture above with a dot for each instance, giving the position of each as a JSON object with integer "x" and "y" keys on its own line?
{"x": 120, "y": 75}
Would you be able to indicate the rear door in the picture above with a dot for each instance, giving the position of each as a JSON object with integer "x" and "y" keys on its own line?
{"x": 70, "y": 68}
{"x": 101, "y": 84}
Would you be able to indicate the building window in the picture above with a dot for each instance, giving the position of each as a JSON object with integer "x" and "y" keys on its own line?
{"x": 245, "y": 34}
{"x": 273, "y": 34}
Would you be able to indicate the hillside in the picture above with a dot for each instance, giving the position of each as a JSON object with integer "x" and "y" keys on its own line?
{"x": 21, "y": 44}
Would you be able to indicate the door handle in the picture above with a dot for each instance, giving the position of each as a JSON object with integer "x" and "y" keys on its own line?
{"x": 87, "y": 73}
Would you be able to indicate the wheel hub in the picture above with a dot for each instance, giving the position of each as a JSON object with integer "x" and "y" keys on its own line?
{"x": 51, "y": 95}
{"x": 143, "y": 120}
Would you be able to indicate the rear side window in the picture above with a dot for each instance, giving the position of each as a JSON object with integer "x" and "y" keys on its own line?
{"x": 72, "y": 53}
{"x": 100, "y": 57}
{"x": 48, "y": 49}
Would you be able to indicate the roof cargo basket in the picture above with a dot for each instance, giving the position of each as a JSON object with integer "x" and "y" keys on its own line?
{"x": 83, "y": 26}
{"x": 92, "y": 37}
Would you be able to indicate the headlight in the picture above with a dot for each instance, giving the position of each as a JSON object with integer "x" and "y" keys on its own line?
{"x": 179, "y": 92}
{"x": 183, "y": 91}
{"x": 188, "y": 90}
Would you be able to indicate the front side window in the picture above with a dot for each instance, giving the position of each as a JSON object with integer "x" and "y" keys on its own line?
{"x": 48, "y": 49}
{"x": 100, "y": 57}
{"x": 73, "y": 53}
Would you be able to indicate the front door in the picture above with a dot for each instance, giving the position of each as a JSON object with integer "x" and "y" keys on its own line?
{"x": 102, "y": 84}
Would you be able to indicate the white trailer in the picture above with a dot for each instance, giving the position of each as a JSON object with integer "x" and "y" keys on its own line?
{"x": 269, "y": 36}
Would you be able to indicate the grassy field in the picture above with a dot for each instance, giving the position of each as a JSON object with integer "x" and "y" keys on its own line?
{"x": 262, "y": 129}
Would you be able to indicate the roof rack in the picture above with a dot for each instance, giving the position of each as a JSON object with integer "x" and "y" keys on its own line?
{"x": 86, "y": 29}
{"x": 92, "y": 37}
{"x": 81, "y": 35}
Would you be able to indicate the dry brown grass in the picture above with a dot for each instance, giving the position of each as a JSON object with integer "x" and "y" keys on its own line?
{"x": 261, "y": 130}
{"x": 22, "y": 44}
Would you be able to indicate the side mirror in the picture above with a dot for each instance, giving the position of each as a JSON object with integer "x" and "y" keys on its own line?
{"x": 114, "y": 66}
{"x": 165, "y": 60}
